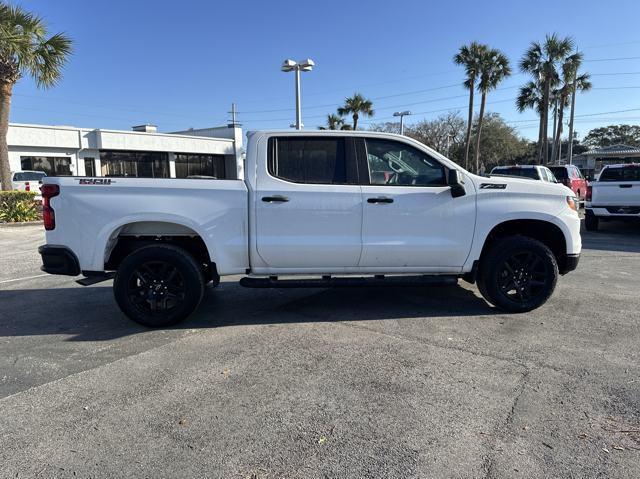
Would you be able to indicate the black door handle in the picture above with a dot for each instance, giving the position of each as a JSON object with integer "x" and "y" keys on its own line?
{"x": 275, "y": 199}
{"x": 380, "y": 200}
{"x": 625, "y": 186}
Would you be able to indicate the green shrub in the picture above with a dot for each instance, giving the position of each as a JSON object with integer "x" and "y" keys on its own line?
{"x": 17, "y": 206}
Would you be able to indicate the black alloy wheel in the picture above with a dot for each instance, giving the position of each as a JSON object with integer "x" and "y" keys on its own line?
{"x": 518, "y": 274}
{"x": 159, "y": 285}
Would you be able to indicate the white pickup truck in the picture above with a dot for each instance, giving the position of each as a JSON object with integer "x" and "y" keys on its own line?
{"x": 614, "y": 196}
{"x": 316, "y": 209}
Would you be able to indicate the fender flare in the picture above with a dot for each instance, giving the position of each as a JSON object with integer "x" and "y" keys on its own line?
{"x": 109, "y": 232}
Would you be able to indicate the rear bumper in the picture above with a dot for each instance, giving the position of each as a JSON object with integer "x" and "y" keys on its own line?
{"x": 59, "y": 260}
{"x": 613, "y": 211}
{"x": 568, "y": 263}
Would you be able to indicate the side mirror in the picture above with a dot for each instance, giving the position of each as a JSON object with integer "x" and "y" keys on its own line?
{"x": 455, "y": 182}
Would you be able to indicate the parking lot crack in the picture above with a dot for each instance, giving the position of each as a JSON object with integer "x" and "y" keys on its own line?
{"x": 435, "y": 344}
{"x": 503, "y": 429}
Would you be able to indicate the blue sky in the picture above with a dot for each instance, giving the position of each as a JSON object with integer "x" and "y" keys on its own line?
{"x": 181, "y": 64}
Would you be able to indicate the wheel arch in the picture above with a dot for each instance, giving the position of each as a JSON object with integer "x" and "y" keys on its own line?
{"x": 547, "y": 232}
{"x": 117, "y": 240}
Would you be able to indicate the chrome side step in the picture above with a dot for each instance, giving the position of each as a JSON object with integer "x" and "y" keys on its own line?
{"x": 342, "y": 281}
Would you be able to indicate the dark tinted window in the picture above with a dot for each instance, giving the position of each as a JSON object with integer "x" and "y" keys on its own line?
{"x": 140, "y": 164}
{"x": 560, "y": 172}
{"x": 199, "y": 165}
{"x": 515, "y": 171}
{"x": 623, "y": 173}
{"x": 308, "y": 159}
{"x": 89, "y": 167}
{"x": 51, "y": 165}
{"x": 28, "y": 176}
{"x": 396, "y": 164}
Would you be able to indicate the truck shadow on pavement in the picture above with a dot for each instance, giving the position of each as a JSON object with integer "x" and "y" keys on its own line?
{"x": 613, "y": 236}
{"x": 91, "y": 314}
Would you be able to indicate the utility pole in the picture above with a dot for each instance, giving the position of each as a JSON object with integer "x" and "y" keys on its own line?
{"x": 233, "y": 113}
{"x": 573, "y": 107}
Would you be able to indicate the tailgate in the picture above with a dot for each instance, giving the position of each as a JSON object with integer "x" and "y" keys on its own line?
{"x": 618, "y": 193}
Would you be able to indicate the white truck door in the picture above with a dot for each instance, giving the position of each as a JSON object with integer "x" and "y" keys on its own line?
{"x": 308, "y": 203}
{"x": 410, "y": 219}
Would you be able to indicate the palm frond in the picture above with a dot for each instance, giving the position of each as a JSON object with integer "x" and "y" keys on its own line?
{"x": 24, "y": 44}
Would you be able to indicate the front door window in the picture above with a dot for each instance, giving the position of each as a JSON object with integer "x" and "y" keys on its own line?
{"x": 395, "y": 164}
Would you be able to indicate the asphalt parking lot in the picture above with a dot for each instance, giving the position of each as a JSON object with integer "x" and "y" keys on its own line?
{"x": 376, "y": 383}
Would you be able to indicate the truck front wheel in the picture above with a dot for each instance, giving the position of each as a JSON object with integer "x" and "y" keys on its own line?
{"x": 518, "y": 274}
{"x": 158, "y": 285}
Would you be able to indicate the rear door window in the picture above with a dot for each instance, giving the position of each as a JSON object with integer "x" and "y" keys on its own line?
{"x": 314, "y": 160}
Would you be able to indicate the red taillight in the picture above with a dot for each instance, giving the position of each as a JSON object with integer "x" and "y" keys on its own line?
{"x": 588, "y": 195}
{"x": 48, "y": 215}
{"x": 27, "y": 186}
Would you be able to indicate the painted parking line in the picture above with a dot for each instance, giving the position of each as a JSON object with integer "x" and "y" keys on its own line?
{"x": 23, "y": 279}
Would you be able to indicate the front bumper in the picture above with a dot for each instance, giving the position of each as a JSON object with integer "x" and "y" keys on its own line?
{"x": 568, "y": 263}
{"x": 59, "y": 260}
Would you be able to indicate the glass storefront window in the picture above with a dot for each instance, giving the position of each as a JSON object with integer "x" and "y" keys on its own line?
{"x": 51, "y": 165}
{"x": 189, "y": 164}
{"x": 137, "y": 164}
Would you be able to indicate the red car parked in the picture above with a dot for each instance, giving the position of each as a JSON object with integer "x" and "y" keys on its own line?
{"x": 570, "y": 175}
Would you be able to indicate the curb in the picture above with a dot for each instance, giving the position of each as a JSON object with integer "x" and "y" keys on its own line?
{"x": 18, "y": 225}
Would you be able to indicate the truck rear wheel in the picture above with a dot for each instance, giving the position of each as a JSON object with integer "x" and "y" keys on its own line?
{"x": 591, "y": 222}
{"x": 158, "y": 285}
{"x": 518, "y": 274}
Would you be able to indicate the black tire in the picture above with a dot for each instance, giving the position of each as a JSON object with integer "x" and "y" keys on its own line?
{"x": 518, "y": 274}
{"x": 591, "y": 222}
{"x": 158, "y": 285}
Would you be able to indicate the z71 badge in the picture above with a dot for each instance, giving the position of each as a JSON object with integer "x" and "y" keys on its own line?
{"x": 95, "y": 181}
{"x": 493, "y": 186}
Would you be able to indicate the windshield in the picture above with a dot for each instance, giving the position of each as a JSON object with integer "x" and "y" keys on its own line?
{"x": 28, "y": 176}
{"x": 525, "y": 172}
{"x": 621, "y": 173}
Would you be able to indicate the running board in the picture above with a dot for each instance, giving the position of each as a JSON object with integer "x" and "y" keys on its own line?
{"x": 94, "y": 278}
{"x": 330, "y": 282}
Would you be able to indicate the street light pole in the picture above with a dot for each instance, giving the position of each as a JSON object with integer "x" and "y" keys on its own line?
{"x": 402, "y": 114}
{"x": 297, "y": 67}
{"x": 298, "y": 102}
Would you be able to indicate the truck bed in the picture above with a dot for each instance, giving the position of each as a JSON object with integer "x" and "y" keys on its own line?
{"x": 90, "y": 213}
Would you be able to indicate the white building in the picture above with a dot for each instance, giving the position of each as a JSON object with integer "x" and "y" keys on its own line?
{"x": 142, "y": 152}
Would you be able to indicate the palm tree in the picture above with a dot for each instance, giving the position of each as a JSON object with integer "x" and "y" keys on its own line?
{"x": 569, "y": 69}
{"x": 541, "y": 61}
{"x": 530, "y": 97}
{"x": 334, "y": 122}
{"x": 581, "y": 83}
{"x": 355, "y": 106}
{"x": 494, "y": 67}
{"x": 25, "y": 49}
{"x": 469, "y": 56}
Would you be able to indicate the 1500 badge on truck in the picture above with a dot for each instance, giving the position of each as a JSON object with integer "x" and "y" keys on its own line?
{"x": 342, "y": 208}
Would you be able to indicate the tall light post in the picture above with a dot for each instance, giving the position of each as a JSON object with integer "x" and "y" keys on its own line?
{"x": 402, "y": 114}
{"x": 292, "y": 66}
